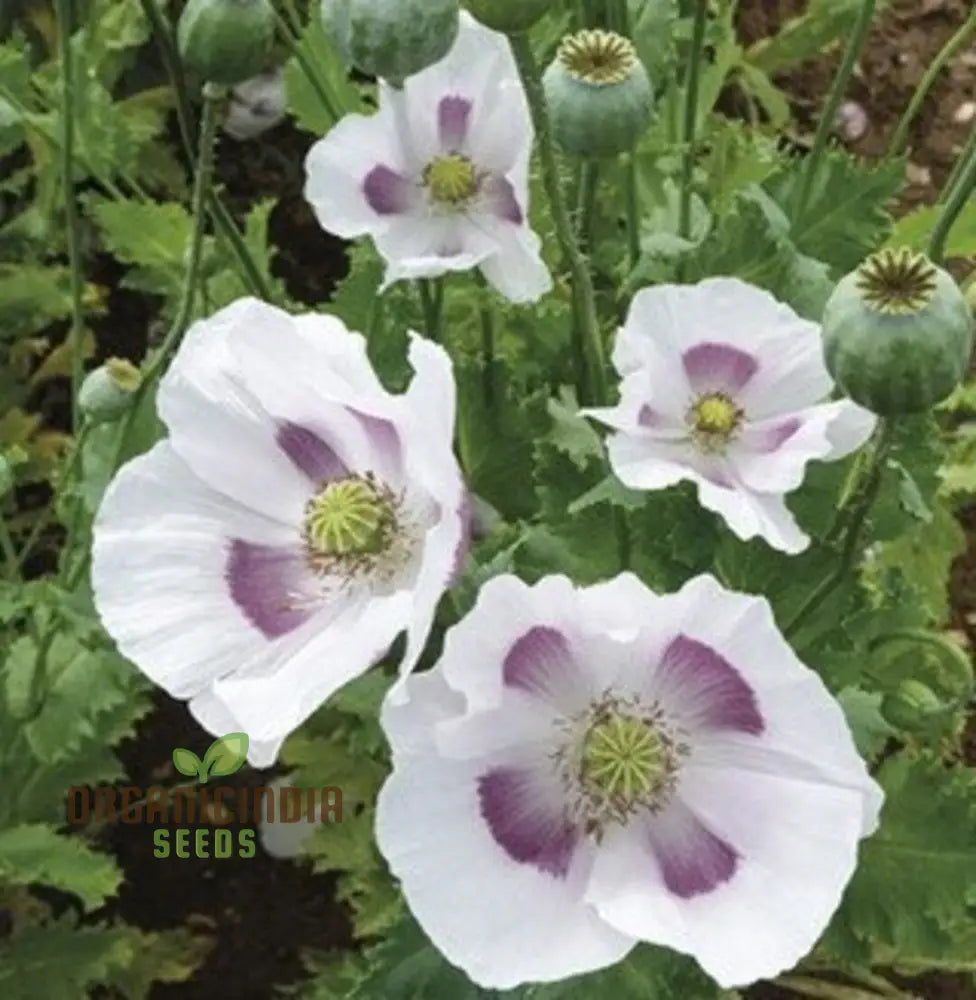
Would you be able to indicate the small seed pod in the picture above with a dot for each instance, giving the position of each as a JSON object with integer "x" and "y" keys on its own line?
{"x": 897, "y": 333}
{"x": 599, "y": 95}
{"x": 510, "y": 16}
{"x": 226, "y": 41}
{"x": 912, "y": 707}
{"x": 392, "y": 39}
{"x": 108, "y": 391}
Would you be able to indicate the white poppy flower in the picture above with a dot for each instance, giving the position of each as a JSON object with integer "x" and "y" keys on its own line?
{"x": 298, "y": 517}
{"x": 587, "y": 768}
{"x": 725, "y": 386}
{"x": 439, "y": 175}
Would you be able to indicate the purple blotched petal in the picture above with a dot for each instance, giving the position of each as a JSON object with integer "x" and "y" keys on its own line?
{"x": 691, "y": 858}
{"x": 772, "y": 437}
{"x": 528, "y": 829}
{"x": 499, "y": 199}
{"x": 310, "y": 453}
{"x": 453, "y": 115}
{"x": 700, "y": 688}
{"x": 387, "y": 192}
{"x": 713, "y": 367}
{"x": 383, "y": 438}
{"x": 264, "y": 582}
{"x": 538, "y": 662}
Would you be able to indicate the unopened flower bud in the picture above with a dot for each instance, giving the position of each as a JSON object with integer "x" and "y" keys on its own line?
{"x": 897, "y": 333}
{"x": 226, "y": 41}
{"x": 599, "y": 94}
{"x": 911, "y": 707}
{"x": 510, "y": 16}
{"x": 392, "y": 39}
{"x": 108, "y": 391}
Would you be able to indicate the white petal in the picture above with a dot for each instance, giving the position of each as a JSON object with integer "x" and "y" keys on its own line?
{"x": 501, "y": 921}
{"x": 479, "y": 68}
{"x": 850, "y": 427}
{"x": 338, "y": 165}
{"x": 517, "y": 270}
{"x": 272, "y": 695}
{"x": 159, "y": 564}
{"x": 216, "y": 423}
{"x": 750, "y": 514}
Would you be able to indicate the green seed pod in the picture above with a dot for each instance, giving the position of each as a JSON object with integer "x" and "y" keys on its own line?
{"x": 912, "y": 707}
{"x": 226, "y": 41}
{"x": 599, "y": 94}
{"x": 897, "y": 333}
{"x": 510, "y": 16}
{"x": 108, "y": 391}
{"x": 392, "y": 39}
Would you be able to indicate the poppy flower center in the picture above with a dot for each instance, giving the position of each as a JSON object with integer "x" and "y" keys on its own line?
{"x": 451, "y": 180}
{"x": 625, "y": 758}
{"x": 598, "y": 57}
{"x": 714, "y": 419}
{"x": 350, "y": 517}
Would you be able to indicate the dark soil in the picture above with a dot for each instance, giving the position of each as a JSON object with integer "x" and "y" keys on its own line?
{"x": 262, "y": 913}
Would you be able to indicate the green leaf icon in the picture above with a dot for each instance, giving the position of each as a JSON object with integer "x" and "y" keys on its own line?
{"x": 186, "y": 762}
{"x": 224, "y": 756}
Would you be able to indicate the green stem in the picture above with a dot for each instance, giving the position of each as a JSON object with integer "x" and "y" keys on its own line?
{"x": 947, "y": 52}
{"x": 212, "y": 96}
{"x": 9, "y": 551}
{"x": 860, "y": 508}
{"x": 589, "y": 182}
{"x": 431, "y": 303}
{"x": 294, "y": 42}
{"x": 64, "y": 10}
{"x": 950, "y": 654}
{"x": 219, "y": 214}
{"x": 829, "y": 117}
{"x": 633, "y": 211}
{"x": 820, "y": 989}
{"x": 584, "y": 299}
{"x": 692, "y": 80}
{"x": 487, "y": 317}
{"x": 969, "y": 151}
{"x": 956, "y": 201}
{"x": 74, "y": 519}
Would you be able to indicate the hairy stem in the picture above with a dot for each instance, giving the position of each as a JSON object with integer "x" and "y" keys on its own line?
{"x": 431, "y": 293}
{"x": 64, "y": 9}
{"x": 584, "y": 299}
{"x": 220, "y": 216}
{"x": 837, "y": 91}
{"x": 956, "y": 200}
{"x": 291, "y": 35}
{"x": 947, "y": 52}
{"x": 692, "y": 79}
{"x": 859, "y": 510}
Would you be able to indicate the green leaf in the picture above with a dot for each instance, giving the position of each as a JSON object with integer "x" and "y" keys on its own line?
{"x": 224, "y": 756}
{"x": 187, "y": 762}
{"x": 36, "y": 853}
{"x": 868, "y": 725}
{"x": 152, "y": 236}
{"x": 914, "y": 892}
{"x": 804, "y": 37}
{"x": 846, "y": 215}
{"x": 304, "y": 101}
{"x": 64, "y": 961}
{"x": 915, "y": 229}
